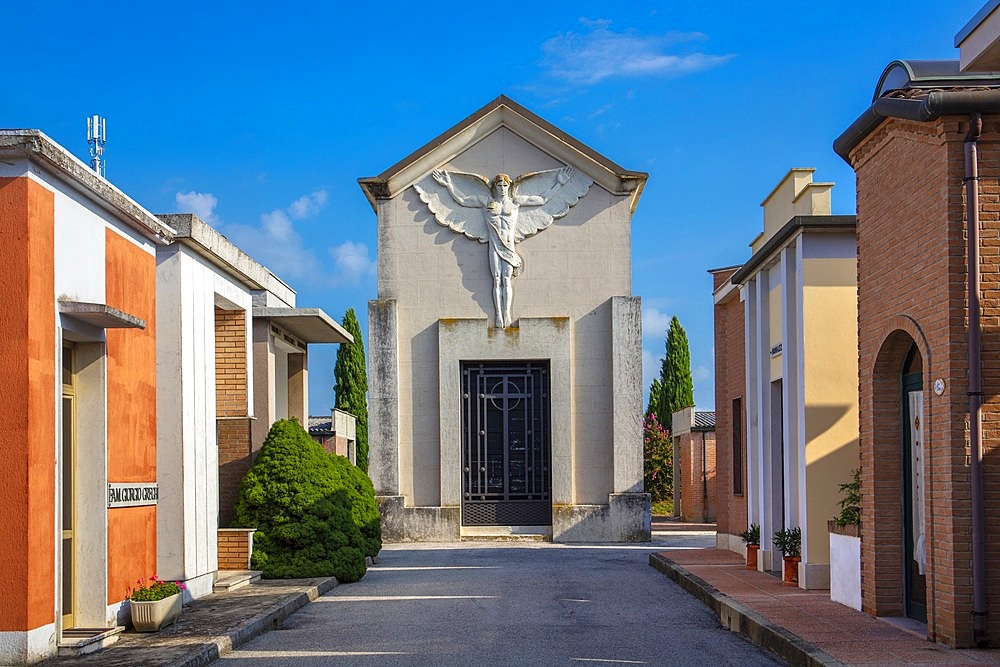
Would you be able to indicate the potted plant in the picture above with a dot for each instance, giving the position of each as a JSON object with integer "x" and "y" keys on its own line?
{"x": 789, "y": 542}
{"x": 751, "y": 538}
{"x": 155, "y": 603}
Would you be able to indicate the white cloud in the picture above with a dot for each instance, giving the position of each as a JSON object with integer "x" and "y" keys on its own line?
{"x": 651, "y": 364}
{"x": 599, "y": 53}
{"x": 654, "y": 324}
{"x": 352, "y": 261}
{"x": 277, "y": 225}
{"x": 701, "y": 373}
{"x": 307, "y": 205}
{"x": 202, "y": 204}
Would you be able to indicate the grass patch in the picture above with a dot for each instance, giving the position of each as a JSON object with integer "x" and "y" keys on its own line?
{"x": 663, "y": 507}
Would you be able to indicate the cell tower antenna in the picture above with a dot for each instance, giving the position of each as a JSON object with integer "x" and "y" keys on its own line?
{"x": 96, "y": 136}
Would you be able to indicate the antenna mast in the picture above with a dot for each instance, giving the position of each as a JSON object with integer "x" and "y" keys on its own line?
{"x": 96, "y": 136}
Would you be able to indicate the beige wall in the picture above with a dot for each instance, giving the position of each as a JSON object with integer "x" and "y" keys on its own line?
{"x": 572, "y": 269}
{"x": 829, "y": 350}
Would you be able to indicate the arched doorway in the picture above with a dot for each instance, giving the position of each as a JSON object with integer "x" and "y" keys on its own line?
{"x": 914, "y": 543}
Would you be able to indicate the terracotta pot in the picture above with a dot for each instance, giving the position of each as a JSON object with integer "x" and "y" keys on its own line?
{"x": 151, "y": 616}
{"x": 752, "y": 550}
{"x": 791, "y": 570}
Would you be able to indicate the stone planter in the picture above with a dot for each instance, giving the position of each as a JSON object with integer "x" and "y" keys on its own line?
{"x": 845, "y": 564}
{"x": 752, "y": 550}
{"x": 151, "y": 616}
{"x": 791, "y": 570}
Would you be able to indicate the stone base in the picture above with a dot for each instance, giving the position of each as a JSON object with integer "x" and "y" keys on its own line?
{"x": 417, "y": 524}
{"x": 630, "y": 517}
{"x": 814, "y": 575}
{"x": 626, "y": 518}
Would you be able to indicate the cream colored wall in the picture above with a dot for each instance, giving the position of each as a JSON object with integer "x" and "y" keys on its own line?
{"x": 795, "y": 194}
{"x": 775, "y": 305}
{"x": 571, "y": 269}
{"x": 829, "y": 349}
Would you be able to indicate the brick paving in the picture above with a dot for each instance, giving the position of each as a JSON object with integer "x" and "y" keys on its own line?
{"x": 804, "y": 627}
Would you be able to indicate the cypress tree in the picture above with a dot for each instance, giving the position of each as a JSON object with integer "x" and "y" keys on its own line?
{"x": 655, "y": 391}
{"x": 352, "y": 384}
{"x": 677, "y": 387}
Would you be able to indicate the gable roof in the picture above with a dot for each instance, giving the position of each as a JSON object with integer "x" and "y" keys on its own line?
{"x": 503, "y": 112}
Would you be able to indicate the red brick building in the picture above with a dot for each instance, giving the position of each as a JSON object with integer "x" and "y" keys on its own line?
{"x": 916, "y": 151}
{"x": 730, "y": 415}
{"x": 693, "y": 435}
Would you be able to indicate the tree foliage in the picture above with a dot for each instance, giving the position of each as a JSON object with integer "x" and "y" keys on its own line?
{"x": 677, "y": 387}
{"x": 658, "y": 460}
{"x": 314, "y": 515}
{"x": 655, "y": 391}
{"x": 352, "y": 385}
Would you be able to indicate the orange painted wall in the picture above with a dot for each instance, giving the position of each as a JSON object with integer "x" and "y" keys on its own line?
{"x": 27, "y": 405}
{"x": 131, "y": 287}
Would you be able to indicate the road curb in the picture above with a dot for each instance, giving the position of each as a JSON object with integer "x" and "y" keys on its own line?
{"x": 272, "y": 619}
{"x": 740, "y": 618}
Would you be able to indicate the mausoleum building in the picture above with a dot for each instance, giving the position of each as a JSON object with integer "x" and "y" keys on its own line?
{"x": 504, "y": 351}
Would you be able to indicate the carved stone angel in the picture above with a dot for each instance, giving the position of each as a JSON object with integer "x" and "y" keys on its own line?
{"x": 505, "y": 212}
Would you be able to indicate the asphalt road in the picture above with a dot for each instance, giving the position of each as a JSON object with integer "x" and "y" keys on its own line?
{"x": 506, "y": 604}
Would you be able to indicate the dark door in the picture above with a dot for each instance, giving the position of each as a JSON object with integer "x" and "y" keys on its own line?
{"x": 506, "y": 448}
{"x": 914, "y": 547}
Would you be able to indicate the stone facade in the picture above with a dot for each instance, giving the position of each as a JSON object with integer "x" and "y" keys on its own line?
{"x": 573, "y": 312}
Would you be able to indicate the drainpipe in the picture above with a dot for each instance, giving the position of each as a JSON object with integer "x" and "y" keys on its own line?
{"x": 975, "y": 383}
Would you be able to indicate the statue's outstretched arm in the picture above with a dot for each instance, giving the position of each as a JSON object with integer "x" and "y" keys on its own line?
{"x": 444, "y": 178}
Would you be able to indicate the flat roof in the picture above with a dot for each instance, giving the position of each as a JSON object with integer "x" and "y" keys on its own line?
{"x": 311, "y": 325}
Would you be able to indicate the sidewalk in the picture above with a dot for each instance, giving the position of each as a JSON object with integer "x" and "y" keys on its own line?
{"x": 209, "y": 626}
{"x": 802, "y": 627}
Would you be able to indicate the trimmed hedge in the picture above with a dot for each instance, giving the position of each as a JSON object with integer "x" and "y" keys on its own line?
{"x": 313, "y": 515}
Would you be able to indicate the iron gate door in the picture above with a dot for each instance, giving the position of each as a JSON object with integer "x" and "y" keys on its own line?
{"x": 506, "y": 444}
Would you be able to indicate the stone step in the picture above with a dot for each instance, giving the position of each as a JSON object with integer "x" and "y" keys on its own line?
{"x": 80, "y": 641}
{"x": 231, "y": 580}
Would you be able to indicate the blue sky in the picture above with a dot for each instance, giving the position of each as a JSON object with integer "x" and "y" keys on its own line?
{"x": 260, "y": 117}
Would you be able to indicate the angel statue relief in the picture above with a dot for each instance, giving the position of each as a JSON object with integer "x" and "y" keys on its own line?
{"x": 504, "y": 213}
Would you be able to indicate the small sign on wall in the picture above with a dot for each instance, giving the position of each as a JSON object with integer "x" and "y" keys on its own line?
{"x": 132, "y": 495}
{"x": 775, "y": 350}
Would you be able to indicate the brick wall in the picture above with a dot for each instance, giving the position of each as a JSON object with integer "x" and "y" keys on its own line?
{"x": 235, "y": 548}
{"x": 235, "y": 457}
{"x": 233, "y": 424}
{"x": 230, "y": 363}
{"x": 730, "y": 384}
{"x": 698, "y": 475}
{"x": 912, "y": 289}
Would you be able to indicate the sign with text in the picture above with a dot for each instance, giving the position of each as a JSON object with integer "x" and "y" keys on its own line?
{"x": 132, "y": 495}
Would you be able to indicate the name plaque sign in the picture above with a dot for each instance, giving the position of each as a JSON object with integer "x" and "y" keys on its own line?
{"x": 132, "y": 495}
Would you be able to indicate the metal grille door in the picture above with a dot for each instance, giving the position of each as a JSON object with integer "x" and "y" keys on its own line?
{"x": 506, "y": 447}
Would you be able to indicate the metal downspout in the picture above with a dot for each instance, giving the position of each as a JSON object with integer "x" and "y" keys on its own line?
{"x": 975, "y": 382}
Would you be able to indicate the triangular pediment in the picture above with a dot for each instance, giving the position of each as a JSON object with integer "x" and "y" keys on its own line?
{"x": 503, "y": 112}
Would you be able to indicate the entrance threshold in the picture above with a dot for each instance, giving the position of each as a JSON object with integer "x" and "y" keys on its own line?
{"x": 508, "y": 533}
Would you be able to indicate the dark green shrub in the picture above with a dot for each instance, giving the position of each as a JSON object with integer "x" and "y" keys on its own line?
{"x": 301, "y": 506}
{"x": 364, "y": 509}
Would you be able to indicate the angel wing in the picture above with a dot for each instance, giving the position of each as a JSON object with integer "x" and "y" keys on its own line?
{"x": 558, "y": 188}
{"x": 468, "y": 220}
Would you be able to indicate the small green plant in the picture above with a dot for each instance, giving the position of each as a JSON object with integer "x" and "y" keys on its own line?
{"x": 307, "y": 507}
{"x": 850, "y": 503}
{"x": 789, "y": 541}
{"x": 751, "y": 535}
{"x": 153, "y": 589}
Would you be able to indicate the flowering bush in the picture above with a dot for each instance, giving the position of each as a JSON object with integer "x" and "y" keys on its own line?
{"x": 154, "y": 588}
{"x": 658, "y": 460}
